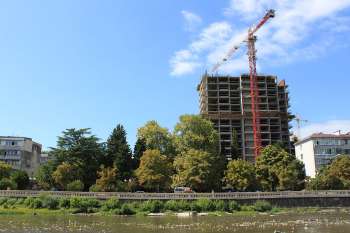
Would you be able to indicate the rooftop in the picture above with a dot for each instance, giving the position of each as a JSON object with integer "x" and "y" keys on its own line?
{"x": 324, "y": 135}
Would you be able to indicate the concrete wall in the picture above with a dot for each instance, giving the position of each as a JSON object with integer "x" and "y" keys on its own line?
{"x": 305, "y": 153}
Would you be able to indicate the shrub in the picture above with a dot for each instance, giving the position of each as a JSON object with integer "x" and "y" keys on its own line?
{"x": 234, "y": 206}
{"x": 84, "y": 205}
{"x": 11, "y": 201}
{"x": 177, "y": 205}
{"x": 111, "y": 204}
{"x": 28, "y": 202}
{"x": 262, "y": 206}
{"x": 153, "y": 206}
{"x": 76, "y": 185}
{"x": 64, "y": 203}
{"x": 37, "y": 203}
{"x": 94, "y": 188}
{"x": 20, "y": 201}
{"x": 125, "y": 210}
{"x": 202, "y": 205}
{"x": 3, "y": 200}
{"x": 49, "y": 202}
{"x": 6, "y": 183}
{"x": 20, "y": 178}
{"x": 221, "y": 205}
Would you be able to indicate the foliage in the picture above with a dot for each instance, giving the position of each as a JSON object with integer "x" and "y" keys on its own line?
{"x": 64, "y": 203}
{"x": 235, "y": 152}
{"x": 153, "y": 206}
{"x": 177, "y": 205}
{"x": 233, "y": 206}
{"x": 49, "y": 202}
{"x": 5, "y": 170}
{"x": 20, "y": 178}
{"x": 203, "y": 205}
{"x": 111, "y": 204}
{"x": 262, "y": 206}
{"x": 221, "y": 205}
{"x": 107, "y": 179}
{"x": 156, "y": 138}
{"x": 6, "y": 183}
{"x": 65, "y": 174}
{"x": 240, "y": 175}
{"x": 195, "y": 169}
{"x": 139, "y": 149}
{"x": 125, "y": 210}
{"x": 154, "y": 171}
{"x": 75, "y": 185}
{"x": 119, "y": 153}
{"x": 78, "y": 147}
{"x": 44, "y": 175}
{"x": 84, "y": 205}
{"x": 278, "y": 170}
{"x": 340, "y": 167}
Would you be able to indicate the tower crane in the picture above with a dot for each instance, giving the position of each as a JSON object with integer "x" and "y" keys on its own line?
{"x": 254, "y": 92}
{"x": 299, "y": 121}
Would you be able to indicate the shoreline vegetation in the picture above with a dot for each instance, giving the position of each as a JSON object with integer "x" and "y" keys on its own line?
{"x": 48, "y": 206}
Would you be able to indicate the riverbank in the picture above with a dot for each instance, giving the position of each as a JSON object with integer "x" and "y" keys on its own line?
{"x": 47, "y": 205}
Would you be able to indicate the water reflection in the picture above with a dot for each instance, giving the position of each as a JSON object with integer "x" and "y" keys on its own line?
{"x": 322, "y": 222}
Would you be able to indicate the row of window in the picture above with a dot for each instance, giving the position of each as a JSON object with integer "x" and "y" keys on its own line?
{"x": 331, "y": 151}
{"x": 326, "y": 142}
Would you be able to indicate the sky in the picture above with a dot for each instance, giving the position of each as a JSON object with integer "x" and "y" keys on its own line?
{"x": 95, "y": 64}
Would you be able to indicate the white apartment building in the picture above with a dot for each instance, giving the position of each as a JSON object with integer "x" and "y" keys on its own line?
{"x": 319, "y": 149}
{"x": 21, "y": 153}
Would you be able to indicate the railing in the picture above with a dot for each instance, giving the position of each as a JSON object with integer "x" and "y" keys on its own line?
{"x": 186, "y": 196}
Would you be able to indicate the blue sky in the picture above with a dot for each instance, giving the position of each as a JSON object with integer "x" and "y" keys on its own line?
{"x": 66, "y": 64}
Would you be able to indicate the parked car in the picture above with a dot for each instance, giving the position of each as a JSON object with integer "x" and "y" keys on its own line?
{"x": 183, "y": 190}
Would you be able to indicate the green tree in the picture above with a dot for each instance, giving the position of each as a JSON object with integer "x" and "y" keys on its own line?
{"x": 44, "y": 175}
{"x": 195, "y": 169}
{"x": 66, "y": 173}
{"x": 278, "y": 170}
{"x": 79, "y": 148}
{"x": 240, "y": 175}
{"x": 6, "y": 183}
{"x": 5, "y": 170}
{"x": 75, "y": 185}
{"x": 157, "y": 138}
{"x": 340, "y": 167}
{"x": 196, "y": 135}
{"x": 235, "y": 148}
{"x": 154, "y": 171}
{"x": 20, "y": 178}
{"x": 139, "y": 149}
{"x": 107, "y": 179}
{"x": 118, "y": 150}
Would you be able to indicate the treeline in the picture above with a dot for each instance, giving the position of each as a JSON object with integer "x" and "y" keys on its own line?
{"x": 188, "y": 156}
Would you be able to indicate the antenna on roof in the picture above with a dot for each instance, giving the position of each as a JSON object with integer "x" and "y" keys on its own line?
{"x": 338, "y": 131}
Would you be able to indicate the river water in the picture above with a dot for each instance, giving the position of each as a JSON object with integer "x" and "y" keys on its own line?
{"x": 321, "y": 222}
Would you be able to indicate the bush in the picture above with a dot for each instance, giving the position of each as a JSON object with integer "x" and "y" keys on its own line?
{"x": 111, "y": 204}
{"x": 94, "y": 188}
{"x": 11, "y": 201}
{"x": 37, "y": 203}
{"x": 20, "y": 178}
{"x": 177, "y": 205}
{"x": 262, "y": 206}
{"x": 20, "y": 201}
{"x": 202, "y": 205}
{"x": 221, "y": 205}
{"x": 3, "y": 200}
{"x": 6, "y": 183}
{"x": 76, "y": 185}
{"x": 125, "y": 210}
{"x": 49, "y": 202}
{"x": 84, "y": 205}
{"x": 28, "y": 202}
{"x": 153, "y": 206}
{"x": 64, "y": 203}
{"x": 233, "y": 206}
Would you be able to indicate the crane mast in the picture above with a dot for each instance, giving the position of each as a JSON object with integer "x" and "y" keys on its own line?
{"x": 254, "y": 91}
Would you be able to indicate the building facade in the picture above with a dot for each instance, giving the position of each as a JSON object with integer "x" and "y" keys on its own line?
{"x": 21, "y": 153}
{"x": 319, "y": 149}
{"x": 226, "y": 101}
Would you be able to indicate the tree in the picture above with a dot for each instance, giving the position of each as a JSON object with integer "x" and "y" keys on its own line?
{"x": 195, "y": 169}
{"x": 118, "y": 150}
{"x": 44, "y": 175}
{"x": 157, "y": 138}
{"x": 154, "y": 171}
{"x": 139, "y": 149}
{"x": 79, "y": 148}
{"x": 75, "y": 185}
{"x": 107, "y": 179}
{"x": 20, "y": 178}
{"x": 340, "y": 167}
{"x": 240, "y": 175}
{"x": 5, "y": 170}
{"x": 196, "y": 135}
{"x": 278, "y": 170}
{"x": 65, "y": 174}
{"x": 195, "y": 132}
{"x": 6, "y": 183}
{"x": 235, "y": 148}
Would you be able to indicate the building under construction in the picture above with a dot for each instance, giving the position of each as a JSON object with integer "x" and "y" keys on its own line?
{"x": 226, "y": 101}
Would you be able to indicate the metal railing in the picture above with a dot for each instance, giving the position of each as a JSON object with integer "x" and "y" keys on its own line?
{"x": 177, "y": 196}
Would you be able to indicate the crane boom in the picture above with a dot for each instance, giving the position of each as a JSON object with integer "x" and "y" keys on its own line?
{"x": 254, "y": 92}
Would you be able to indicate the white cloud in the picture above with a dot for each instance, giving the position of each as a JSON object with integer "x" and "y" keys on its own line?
{"x": 183, "y": 62}
{"x": 191, "y": 20}
{"x": 325, "y": 127}
{"x": 301, "y": 30}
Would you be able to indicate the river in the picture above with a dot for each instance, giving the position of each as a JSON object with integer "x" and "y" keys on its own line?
{"x": 321, "y": 222}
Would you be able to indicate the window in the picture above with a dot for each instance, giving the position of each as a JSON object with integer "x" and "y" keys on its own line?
{"x": 301, "y": 157}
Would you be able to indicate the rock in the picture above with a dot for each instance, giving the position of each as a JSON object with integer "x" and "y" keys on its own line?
{"x": 186, "y": 214}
